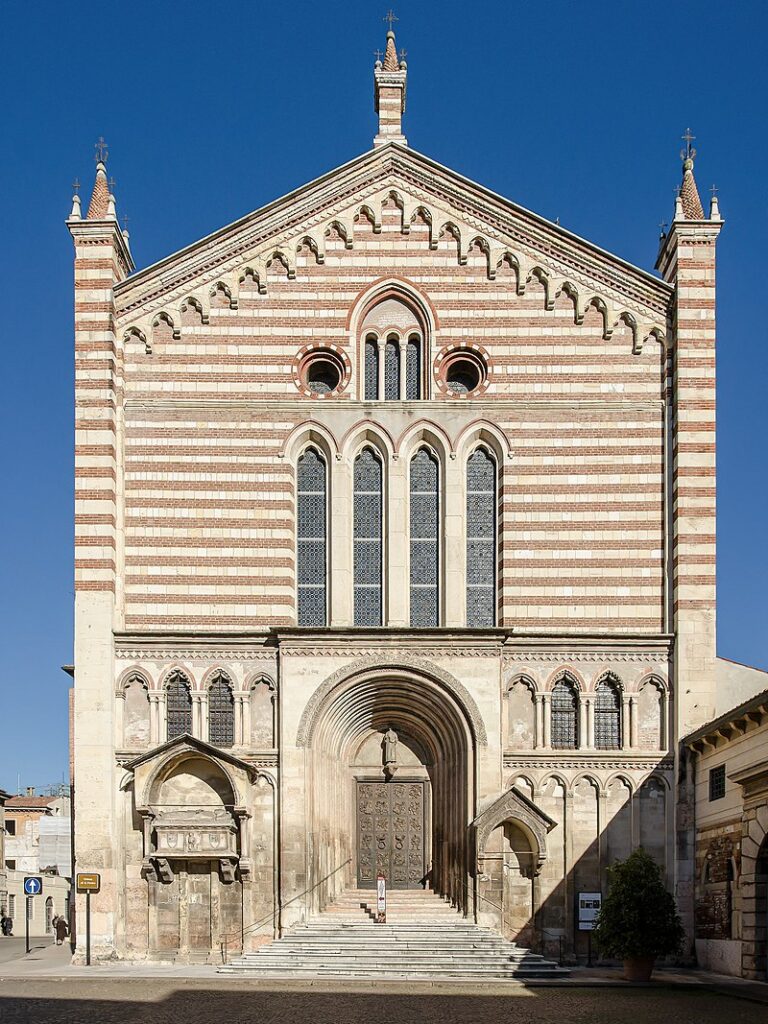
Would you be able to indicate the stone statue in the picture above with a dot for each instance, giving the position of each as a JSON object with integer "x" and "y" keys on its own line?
{"x": 390, "y": 752}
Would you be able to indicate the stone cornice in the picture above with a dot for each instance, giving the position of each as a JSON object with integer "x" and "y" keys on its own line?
{"x": 582, "y": 760}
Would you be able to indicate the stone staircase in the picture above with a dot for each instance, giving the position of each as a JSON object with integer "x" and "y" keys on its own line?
{"x": 424, "y": 937}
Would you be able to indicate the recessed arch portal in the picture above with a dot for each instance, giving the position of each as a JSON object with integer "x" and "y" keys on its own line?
{"x": 429, "y": 719}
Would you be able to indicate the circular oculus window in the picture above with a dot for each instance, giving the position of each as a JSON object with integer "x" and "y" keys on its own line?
{"x": 463, "y": 372}
{"x": 322, "y": 372}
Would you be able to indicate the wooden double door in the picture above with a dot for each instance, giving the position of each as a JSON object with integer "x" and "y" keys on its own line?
{"x": 391, "y": 818}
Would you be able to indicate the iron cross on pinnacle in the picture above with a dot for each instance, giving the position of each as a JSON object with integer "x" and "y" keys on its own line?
{"x": 102, "y": 151}
{"x": 689, "y": 152}
{"x": 391, "y": 17}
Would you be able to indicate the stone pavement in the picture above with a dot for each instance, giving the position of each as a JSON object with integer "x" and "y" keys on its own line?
{"x": 200, "y": 1001}
{"x": 12, "y": 946}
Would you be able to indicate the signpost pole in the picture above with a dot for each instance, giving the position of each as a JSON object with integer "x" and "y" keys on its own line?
{"x": 589, "y": 949}
{"x": 88, "y": 928}
{"x": 26, "y": 922}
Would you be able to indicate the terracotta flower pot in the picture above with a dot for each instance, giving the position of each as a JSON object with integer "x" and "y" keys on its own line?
{"x": 639, "y": 968}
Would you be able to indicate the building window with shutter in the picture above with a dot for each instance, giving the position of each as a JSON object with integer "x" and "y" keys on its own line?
{"x": 311, "y": 555}
{"x": 368, "y": 538}
{"x": 481, "y": 539}
{"x": 425, "y": 539}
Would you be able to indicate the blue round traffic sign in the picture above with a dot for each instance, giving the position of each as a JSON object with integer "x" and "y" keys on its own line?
{"x": 33, "y": 886}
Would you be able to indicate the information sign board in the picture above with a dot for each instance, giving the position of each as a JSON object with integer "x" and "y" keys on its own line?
{"x": 588, "y": 908}
{"x": 88, "y": 881}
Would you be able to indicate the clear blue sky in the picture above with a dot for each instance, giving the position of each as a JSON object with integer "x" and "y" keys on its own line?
{"x": 574, "y": 110}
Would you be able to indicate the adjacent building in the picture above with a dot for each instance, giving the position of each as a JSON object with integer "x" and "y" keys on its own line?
{"x": 395, "y": 553}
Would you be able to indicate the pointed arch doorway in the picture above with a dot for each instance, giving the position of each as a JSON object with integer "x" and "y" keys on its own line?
{"x": 406, "y": 815}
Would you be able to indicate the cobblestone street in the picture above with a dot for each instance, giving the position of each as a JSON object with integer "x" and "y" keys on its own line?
{"x": 108, "y": 1001}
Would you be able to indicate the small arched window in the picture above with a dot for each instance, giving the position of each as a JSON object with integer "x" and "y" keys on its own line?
{"x": 481, "y": 539}
{"x": 311, "y": 555}
{"x": 221, "y": 712}
{"x": 371, "y": 368}
{"x": 178, "y": 706}
{"x": 425, "y": 539}
{"x": 392, "y": 368}
{"x": 368, "y": 538}
{"x": 565, "y": 707}
{"x": 413, "y": 368}
{"x": 608, "y": 715}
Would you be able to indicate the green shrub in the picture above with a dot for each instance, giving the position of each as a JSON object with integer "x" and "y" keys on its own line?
{"x": 638, "y": 917}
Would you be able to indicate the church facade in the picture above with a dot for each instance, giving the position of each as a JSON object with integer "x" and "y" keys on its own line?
{"x": 395, "y": 544}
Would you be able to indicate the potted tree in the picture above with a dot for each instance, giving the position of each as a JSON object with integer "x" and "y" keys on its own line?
{"x": 638, "y": 921}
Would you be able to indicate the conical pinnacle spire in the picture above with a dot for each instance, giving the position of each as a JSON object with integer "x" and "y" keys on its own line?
{"x": 689, "y": 193}
{"x": 391, "y": 62}
{"x": 99, "y": 205}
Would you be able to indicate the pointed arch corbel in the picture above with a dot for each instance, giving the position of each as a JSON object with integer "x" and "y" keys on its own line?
{"x": 314, "y": 247}
{"x": 645, "y": 334}
{"x": 345, "y": 230}
{"x": 601, "y": 306}
{"x": 629, "y": 320}
{"x": 544, "y": 279}
{"x": 285, "y": 259}
{"x": 485, "y": 248}
{"x": 511, "y": 260}
{"x": 139, "y": 335}
{"x": 572, "y": 292}
{"x": 257, "y": 273}
{"x": 450, "y": 228}
{"x": 200, "y": 305}
{"x": 222, "y": 288}
{"x": 165, "y": 318}
{"x": 370, "y": 213}
{"x": 421, "y": 210}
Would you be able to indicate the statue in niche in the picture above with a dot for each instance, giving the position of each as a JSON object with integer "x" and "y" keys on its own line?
{"x": 390, "y": 752}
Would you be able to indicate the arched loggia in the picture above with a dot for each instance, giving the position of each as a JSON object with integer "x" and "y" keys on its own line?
{"x": 437, "y": 732}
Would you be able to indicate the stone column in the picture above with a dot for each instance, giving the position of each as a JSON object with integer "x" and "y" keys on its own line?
{"x": 454, "y": 555}
{"x": 380, "y": 348}
{"x": 402, "y": 342}
{"x": 546, "y": 699}
{"x": 340, "y": 517}
{"x": 539, "y": 708}
{"x": 625, "y": 721}
{"x": 633, "y": 739}
{"x": 590, "y": 710}
{"x": 119, "y": 718}
{"x": 397, "y": 560}
{"x": 583, "y": 740}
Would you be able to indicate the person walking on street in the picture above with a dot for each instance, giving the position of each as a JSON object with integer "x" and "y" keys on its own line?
{"x": 62, "y": 930}
{"x": 7, "y": 925}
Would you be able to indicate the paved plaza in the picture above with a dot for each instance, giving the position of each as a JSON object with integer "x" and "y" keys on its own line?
{"x": 199, "y": 1002}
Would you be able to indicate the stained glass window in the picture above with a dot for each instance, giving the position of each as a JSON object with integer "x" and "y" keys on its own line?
{"x": 371, "y": 370}
{"x": 413, "y": 369}
{"x": 565, "y": 708}
{"x": 368, "y": 522}
{"x": 425, "y": 539}
{"x": 481, "y": 539}
{"x": 392, "y": 369}
{"x": 311, "y": 563}
{"x": 178, "y": 706}
{"x": 221, "y": 712}
{"x": 607, "y": 715}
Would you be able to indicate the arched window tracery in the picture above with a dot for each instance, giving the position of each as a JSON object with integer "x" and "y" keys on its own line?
{"x": 565, "y": 712}
{"x": 608, "y": 715}
{"x": 482, "y": 533}
{"x": 311, "y": 555}
{"x": 368, "y": 538}
{"x": 424, "y": 539}
{"x": 221, "y": 712}
{"x": 178, "y": 706}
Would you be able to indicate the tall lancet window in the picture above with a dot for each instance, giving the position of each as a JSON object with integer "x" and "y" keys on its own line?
{"x": 371, "y": 369}
{"x": 311, "y": 555}
{"x": 392, "y": 369}
{"x": 425, "y": 539}
{"x": 608, "y": 715}
{"x": 368, "y": 528}
{"x": 481, "y": 539}
{"x": 413, "y": 368}
{"x": 178, "y": 706}
{"x": 565, "y": 710}
{"x": 221, "y": 712}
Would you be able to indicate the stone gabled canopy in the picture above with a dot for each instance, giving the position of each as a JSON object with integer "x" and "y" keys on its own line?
{"x": 515, "y": 807}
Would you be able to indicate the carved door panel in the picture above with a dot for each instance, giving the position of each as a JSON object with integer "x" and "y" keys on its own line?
{"x": 390, "y": 834}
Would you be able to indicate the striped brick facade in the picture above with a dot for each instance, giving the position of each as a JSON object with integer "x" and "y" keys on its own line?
{"x": 594, "y": 400}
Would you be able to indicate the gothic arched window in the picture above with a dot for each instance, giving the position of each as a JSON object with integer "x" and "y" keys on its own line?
{"x": 565, "y": 709}
{"x": 221, "y": 712}
{"x": 608, "y": 715}
{"x": 425, "y": 539}
{"x": 311, "y": 557}
{"x": 481, "y": 538}
{"x": 368, "y": 538}
{"x": 178, "y": 706}
{"x": 392, "y": 368}
{"x": 413, "y": 368}
{"x": 371, "y": 369}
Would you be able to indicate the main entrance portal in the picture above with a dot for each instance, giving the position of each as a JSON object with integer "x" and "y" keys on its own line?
{"x": 390, "y": 834}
